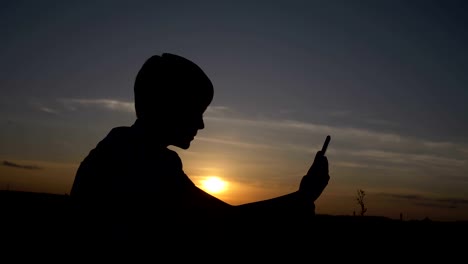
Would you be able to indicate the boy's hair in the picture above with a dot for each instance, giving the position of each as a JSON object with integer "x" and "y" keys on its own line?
{"x": 169, "y": 83}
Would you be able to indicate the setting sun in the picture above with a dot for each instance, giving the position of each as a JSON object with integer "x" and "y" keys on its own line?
{"x": 214, "y": 184}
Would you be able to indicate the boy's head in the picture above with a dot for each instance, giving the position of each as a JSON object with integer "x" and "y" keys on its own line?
{"x": 170, "y": 83}
{"x": 171, "y": 94}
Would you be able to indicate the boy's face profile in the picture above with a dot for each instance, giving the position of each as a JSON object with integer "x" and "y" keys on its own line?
{"x": 179, "y": 123}
{"x": 183, "y": 128}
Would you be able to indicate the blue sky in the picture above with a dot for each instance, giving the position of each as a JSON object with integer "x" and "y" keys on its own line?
{"x": 387, "y": 80}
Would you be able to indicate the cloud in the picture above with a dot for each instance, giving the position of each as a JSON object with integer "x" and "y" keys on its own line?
{"x": 408, "y": 158}
{"x": 369, "y": 120}
{"x": 373, "y": 144}
{"x": 236, "y": 143}
{"x": 352, "y": 147}
{"x": 428, "y": 201}
{"x": 431, "y": 144}
{"x": 73, "y": 104}
{"x": 215, "y": 110}
{"x": 109, "y": 104}
{"x": 20, "y": 166}
{"x": 313, "y": 128}
{"x": 464, "y": 150}
{"x": 350, "y": 164}
{"x": 48, "y": 110}
{"x": 41, "y": 107}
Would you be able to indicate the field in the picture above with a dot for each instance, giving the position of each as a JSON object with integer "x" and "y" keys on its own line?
{"x": 42, "y": 220}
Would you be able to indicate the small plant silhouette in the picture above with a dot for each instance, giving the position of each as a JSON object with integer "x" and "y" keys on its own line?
{"x": 360, "y": 199}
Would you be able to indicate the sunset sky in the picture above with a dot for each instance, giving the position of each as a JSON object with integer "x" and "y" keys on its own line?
{"x": 388, "y": 80}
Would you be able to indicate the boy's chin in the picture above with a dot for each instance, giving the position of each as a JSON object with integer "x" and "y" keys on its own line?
{"x": 182, "y": 145}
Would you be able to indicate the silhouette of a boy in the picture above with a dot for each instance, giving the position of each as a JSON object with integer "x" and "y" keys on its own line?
{"x": 132, "y": 177}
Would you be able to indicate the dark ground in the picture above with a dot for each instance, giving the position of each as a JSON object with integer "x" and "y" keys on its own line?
{"x": 46, "y": 222}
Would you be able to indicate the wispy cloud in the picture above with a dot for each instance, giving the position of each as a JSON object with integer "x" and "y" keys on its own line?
{"x": 119, "y": 105}
{"x": 43, "y": 108}
{"x": 236, "y": 143}
{"x": 109, "y": 104}
{"x": 393, "y": 145}
{"x": 428, "y": 201}
{"x": 341, "y": 114}
{"x": 313, "y": 128}
{"x": 438, "y": 145}
{"x": 408, "y": 158}
{"x": 350, "y": 164}
{"x": 343, "y": 131}
{"x": 354, "y": 147}
{"x": 20, "y": 166}
{"x": 48, "y": 110}
{"x": 217, "y": 109}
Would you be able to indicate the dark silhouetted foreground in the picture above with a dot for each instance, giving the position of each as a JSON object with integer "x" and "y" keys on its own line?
{"x": 44, "y": 223}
